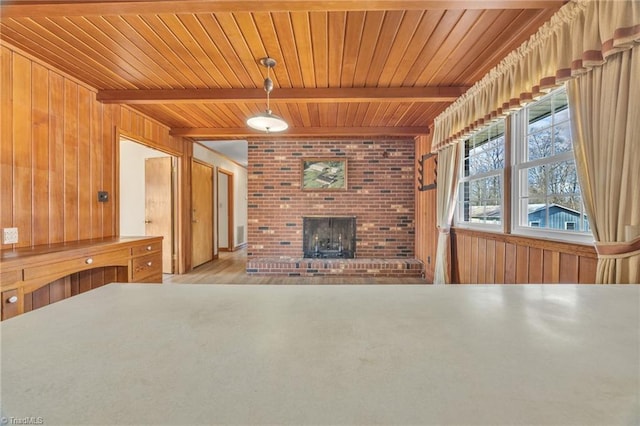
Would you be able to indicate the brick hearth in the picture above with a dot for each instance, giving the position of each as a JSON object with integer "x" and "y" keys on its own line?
{"x": 344, "y": 267}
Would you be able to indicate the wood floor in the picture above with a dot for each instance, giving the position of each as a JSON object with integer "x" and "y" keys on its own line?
{"x": 229, "y": 268}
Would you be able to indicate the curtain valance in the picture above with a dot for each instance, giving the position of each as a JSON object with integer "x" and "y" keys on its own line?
{"x": 580, "y": 36}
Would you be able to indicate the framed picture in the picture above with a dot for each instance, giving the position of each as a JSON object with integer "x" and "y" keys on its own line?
{"x": 324, "y": 174}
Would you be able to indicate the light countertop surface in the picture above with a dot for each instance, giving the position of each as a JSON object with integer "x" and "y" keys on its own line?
{"x": 227, "y": 354}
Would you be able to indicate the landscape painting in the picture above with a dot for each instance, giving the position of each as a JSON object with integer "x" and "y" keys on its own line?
{"x": 324, "y": 174}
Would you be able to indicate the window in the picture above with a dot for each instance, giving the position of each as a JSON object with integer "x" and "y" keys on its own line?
{"x": 481, "y": 183}
{"x": 546, "y": 192}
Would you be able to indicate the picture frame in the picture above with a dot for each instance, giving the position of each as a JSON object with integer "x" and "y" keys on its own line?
{"x": 324, "y": 174}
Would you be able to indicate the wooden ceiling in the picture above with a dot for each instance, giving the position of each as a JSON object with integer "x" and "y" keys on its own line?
{"x": 344, "y": 67}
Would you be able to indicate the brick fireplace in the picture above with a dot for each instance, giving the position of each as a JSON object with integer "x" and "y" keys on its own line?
{"x": 328, "y": 237}
{"x": 379, "y": 193}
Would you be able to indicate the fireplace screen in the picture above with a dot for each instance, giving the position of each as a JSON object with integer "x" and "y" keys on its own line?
{"x": 329, "y": 237}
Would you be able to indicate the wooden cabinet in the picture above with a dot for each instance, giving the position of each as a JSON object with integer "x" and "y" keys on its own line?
{"x": 28, "y": 269}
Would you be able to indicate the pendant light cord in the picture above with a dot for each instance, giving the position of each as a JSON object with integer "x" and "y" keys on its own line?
{"x": 268, "y": 90}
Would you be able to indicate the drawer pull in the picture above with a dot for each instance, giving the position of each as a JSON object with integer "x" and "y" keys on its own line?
{"x": 149, "y": 263}
{"x": 148, "y": 248}
{"x": 89, "y": 261}
{"x": 12, "y": 299}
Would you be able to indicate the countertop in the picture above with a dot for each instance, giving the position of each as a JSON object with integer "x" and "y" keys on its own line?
{"x": 235, "y": 354}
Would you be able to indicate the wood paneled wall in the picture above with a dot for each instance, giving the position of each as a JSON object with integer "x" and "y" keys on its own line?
{"x": 58, "y": 148}
{"x": 426, "y": 224}
{"x": 481, "y": 257}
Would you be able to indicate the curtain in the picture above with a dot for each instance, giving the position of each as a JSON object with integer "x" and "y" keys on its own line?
{"x": 446, "y": 195}
{"x": 605, "y": 116}
{"x": 583, "y": 34}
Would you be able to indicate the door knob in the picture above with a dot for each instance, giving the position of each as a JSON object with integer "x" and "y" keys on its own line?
{"x": 147, "y": 221}
{"x": 12, "y": 299}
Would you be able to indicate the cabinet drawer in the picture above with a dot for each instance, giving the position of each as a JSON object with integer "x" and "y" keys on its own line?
{"x": 66, "y": 267}
{"x": 146, "y": 248}
{"x": 146, "y": 266}
{"x": 10, "y": 304}
{"x": 7, "y": 278}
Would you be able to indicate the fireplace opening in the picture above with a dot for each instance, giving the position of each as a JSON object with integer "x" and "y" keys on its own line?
{"x": 329, "y": 237}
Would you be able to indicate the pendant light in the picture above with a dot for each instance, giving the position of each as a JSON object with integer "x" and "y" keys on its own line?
{"x": 267, "y": 121}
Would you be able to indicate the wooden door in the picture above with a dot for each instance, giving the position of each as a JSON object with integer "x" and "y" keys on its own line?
{"x": 201, "y": 213}
{"x": 159, "y": 206}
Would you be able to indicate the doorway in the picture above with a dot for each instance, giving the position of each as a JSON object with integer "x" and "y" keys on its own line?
{"x": 147, "y": 187}
{"x": 225, "y": 210}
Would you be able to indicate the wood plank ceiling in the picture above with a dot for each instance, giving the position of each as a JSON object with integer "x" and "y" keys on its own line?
{"x": 344, "y": 67}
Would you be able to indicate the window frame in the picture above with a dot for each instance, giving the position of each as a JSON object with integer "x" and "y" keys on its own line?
{"x": 500, "y": 173}
{"x": 515, "y": 147}
{"x": 519, "y": 124}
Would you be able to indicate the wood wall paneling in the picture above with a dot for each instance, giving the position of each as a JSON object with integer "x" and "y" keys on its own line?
{"x": 490, "y": 262}
{"x": 40, "y": 146}
{"x": 22, "y": 150}
{"x": 481, "y": 257}
{"x": 426, "y": 233}
{"x": 522, "y": 264}
{"x": 535, "y": 265}
{"x": 56, "y": 158}
{"x": 499, "y": 265}
{"x": 58, "y": 148}
{"x": 6, "y": 138}
{"x": 587, "y": 270}
{"x": 568, "y": 268}
{"x": 71, "y": 177}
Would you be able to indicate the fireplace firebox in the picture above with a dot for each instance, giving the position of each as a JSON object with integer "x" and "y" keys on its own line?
{"x": 329, "y": 237}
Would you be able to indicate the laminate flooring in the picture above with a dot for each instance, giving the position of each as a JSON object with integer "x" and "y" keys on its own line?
{"x": 230, "y": 267}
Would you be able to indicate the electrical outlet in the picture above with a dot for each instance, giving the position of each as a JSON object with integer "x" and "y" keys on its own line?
{"x": 9, "y": 235}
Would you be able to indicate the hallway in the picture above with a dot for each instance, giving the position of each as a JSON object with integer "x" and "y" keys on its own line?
{"x": 229, "y": 268}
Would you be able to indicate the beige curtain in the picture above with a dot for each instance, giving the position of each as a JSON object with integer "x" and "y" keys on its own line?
{"x": 447, "y": 190}
{"x": 605, "y": 115}
{"x": 582, "y": 35}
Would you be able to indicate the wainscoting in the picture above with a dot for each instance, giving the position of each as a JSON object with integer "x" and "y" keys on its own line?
{"x": 482, "y": 257}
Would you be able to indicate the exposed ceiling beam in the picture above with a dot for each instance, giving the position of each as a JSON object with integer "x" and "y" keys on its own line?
{"x": 319, "y": 95}
{"x": 246, "y": 133}
{"x": 52, "y": 8}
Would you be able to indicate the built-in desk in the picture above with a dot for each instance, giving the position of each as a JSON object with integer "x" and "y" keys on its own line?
{"x": 27, "y": 269}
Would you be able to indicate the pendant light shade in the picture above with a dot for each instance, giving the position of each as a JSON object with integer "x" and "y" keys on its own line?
{"x": 267, "y": 121}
